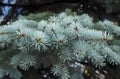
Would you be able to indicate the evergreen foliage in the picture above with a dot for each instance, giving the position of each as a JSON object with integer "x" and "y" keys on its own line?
{"x": 39, "y": 16}
{"x": 60, "y": 42}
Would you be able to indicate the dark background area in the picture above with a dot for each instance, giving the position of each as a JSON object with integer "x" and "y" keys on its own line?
{"x": 10, "y": 9}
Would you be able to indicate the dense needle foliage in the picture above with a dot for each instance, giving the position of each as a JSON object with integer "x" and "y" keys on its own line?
{"x": 61, "y": 41}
